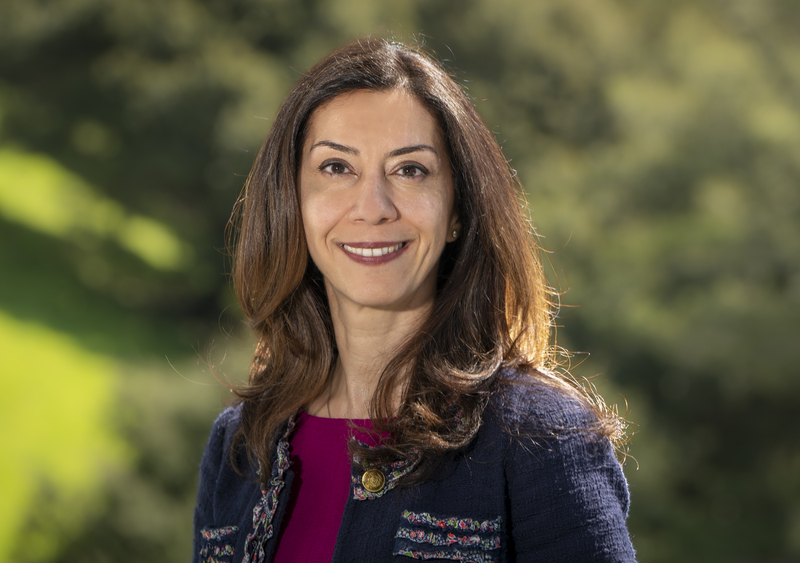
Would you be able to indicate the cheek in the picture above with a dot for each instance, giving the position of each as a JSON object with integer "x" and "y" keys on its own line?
{"x": 315, "y": 212}
{"x": 445, "y": 207}
{"x": 320, "y": 217}
{"x": 434, "y": 216}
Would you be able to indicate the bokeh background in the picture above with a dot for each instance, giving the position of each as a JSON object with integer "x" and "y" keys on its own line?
{"x": 659, "y": 145}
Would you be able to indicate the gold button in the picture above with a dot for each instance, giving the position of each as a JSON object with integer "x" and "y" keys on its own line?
{"x": 373, "y": 480}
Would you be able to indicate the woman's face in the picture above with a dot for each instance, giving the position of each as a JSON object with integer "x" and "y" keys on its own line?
{"x": 376, "y": 196}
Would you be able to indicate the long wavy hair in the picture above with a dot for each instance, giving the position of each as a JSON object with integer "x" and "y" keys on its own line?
{"x": 492, "y": 307}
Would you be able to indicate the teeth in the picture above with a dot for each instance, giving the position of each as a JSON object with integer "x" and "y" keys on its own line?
{"x": 373, "y": 251}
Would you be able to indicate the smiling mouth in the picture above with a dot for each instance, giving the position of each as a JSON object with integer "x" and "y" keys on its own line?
{"x": 382, "y": 251}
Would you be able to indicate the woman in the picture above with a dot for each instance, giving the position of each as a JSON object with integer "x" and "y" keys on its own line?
{"x": 400, "y": 403}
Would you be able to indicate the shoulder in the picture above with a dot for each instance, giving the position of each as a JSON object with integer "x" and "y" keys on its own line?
{"x": 222, "y": 434}
{"x": 567, "y": 491}
{"x": 225, "y": 488}
{"x": 539, "y": 404}
{"x": 225, "y": 464}
{"x": 227, "y": 422}
{"x": 549, "y": 427}
{"x": 224, "y": 497}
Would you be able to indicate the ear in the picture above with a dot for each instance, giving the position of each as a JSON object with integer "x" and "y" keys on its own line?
{"x": 454, "y": 228}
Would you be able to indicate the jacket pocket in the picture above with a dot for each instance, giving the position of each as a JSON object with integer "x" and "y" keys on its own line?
{"x": 217, "y": 544}
{"x": 423, "y": 535}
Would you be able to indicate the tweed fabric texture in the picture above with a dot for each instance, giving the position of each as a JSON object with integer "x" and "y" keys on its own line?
{"x": 551, "y": 491}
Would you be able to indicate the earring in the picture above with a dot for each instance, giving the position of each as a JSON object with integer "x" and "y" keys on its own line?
{"x": 455, "y": 234}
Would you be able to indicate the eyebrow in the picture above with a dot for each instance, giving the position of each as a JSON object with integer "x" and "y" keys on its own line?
{"x": 396, "y": 152}
{"x": 413, "y": 148}
{"x": 334, "y": 146}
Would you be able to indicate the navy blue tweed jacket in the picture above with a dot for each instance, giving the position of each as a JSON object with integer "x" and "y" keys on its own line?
{"x": 534, "y": 485}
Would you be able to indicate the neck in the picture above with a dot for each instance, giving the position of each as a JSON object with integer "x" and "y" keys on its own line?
{"x": 366, "y": 339}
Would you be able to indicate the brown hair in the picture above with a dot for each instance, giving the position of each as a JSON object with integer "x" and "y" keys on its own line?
{"x": 491, "y": 309}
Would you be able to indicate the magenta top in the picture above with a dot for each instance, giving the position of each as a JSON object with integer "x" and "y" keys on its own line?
{"x": 321, "y": 466}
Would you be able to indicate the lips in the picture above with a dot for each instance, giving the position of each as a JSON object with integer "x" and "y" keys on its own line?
{"x": 373, "y": 253}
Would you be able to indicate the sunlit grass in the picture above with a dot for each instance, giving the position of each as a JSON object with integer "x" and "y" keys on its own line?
{"x": 55, "y": 405}
{"x": 38, "y": 192}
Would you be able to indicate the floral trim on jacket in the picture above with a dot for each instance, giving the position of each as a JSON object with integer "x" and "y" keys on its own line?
{"x": 214, "y": 547}
{"x": 453, "y": 554}
{"x": 439, "y": 539}
{"x": 218, "y": 533}
{"x": 460, "y": 524}
{"x": 423, "y": 535}
{"x": 264, "y": 510}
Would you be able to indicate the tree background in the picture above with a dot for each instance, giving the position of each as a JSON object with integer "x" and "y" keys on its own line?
{"x": 659, "y": 144}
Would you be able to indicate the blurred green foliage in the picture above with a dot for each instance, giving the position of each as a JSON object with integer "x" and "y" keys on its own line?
{"x": 659, "y": 144}
{"x": 65, "y": 424}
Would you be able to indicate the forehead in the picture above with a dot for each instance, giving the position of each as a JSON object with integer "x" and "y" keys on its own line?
{"x": 393, "y": 116}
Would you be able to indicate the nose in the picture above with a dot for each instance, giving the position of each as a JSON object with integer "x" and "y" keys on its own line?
{"x": 373, "y": 202}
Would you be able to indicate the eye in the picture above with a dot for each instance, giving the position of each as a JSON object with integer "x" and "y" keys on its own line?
{"x": 412, "y": 171}
{"x": 335, "y": 167}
